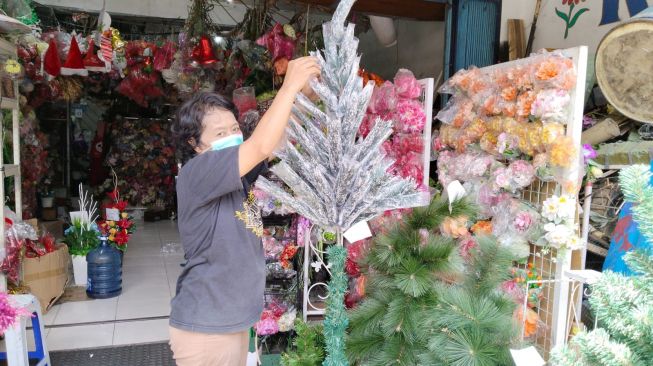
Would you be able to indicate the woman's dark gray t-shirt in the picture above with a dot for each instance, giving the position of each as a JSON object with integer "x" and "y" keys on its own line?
{"x": 221, "y": 287}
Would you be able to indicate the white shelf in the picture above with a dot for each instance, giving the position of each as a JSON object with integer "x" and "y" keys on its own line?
{"x": 10, "y": 170}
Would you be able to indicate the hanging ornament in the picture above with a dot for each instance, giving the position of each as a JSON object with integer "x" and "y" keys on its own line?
{"x": 116, "y": 41}
{"x": 91, "y": 61}
{"x": 203, "y": 52}
{"x": 51, "y": 62}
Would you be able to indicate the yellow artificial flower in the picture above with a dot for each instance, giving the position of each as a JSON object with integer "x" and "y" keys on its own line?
{"x": 111, "y": 223}
{"x": 113, "y": 231}
{"x": 124, "y": 215}
{"x": 112, "y": 238}
{"x": 12, "y": 67}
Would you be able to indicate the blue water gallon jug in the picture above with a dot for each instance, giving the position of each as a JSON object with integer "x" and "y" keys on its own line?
{"x": 104, "y": 271}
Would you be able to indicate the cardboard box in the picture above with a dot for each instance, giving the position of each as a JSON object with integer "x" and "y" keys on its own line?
{"x": 53, "y": 227}
{"x": 47, "y": 276}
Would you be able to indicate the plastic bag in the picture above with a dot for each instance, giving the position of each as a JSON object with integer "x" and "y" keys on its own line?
{"x": 514, "y": 217}
{"x": 384, "y": 99}
{"x": 519, "y": 174}
{"x": 551, "y": 105}
{"x": 163, "y": 56}
{"x": 407, "y": 85}
{"x": 554, "y": 71}
{"x": 458, "y": 112}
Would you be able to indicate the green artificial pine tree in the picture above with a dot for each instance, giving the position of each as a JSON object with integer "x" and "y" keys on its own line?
{"x": 473, "y": 322}
{"x": 423, "y": 307}
{"x": 402, "y": 268}
{"x": 308, "y": 346}
{"x": 622, "y": 305}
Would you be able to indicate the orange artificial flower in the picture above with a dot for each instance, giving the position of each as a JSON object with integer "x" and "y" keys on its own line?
{"x": 455, "y": 227}
{"x": 530, "y": 324}
{"x": 281, "y": 66}
{"x": 482, "y": 228}
{"x": 547, "y": 70}
{"x": 509, "y": 94}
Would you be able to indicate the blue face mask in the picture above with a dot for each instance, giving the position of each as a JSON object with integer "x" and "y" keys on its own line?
{"x": 225, "y": 142}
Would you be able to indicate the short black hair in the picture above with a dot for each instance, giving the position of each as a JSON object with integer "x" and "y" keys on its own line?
{"x": 188, "y": 124}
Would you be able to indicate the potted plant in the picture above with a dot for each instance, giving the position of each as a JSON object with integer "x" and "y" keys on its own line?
{"x": 82, "y": 236}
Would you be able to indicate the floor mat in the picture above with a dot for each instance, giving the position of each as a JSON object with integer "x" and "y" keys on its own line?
{"x": 154, "y": 354}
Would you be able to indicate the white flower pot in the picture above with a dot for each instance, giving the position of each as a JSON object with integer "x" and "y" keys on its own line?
{"x": 80, "y": 269}
{"x": 47, "y": 202}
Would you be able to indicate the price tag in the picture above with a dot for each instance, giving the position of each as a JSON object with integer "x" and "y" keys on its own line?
{"x": 358, "y": 232}
{"x": 455, "y": 191}
{"x": 113, "y": 214}
{"x": 527, "y": 357}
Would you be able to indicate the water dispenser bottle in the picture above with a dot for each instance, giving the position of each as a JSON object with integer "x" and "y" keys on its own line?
{"x": 104, "y": 271}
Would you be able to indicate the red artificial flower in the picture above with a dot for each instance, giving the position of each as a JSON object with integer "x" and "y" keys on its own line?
{"x": 125, "y": 224}
{"x": 122, "y": 237}
{"x": 121, "y": 205}
{"x": 113, "y": 195}
{"x": 352, "y": 268}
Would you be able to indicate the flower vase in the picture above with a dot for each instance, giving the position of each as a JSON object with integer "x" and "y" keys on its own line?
{"x": 80, "y": 269}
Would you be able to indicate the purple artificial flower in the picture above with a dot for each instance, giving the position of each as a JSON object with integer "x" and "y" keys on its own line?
{"x": 589, "y": 152}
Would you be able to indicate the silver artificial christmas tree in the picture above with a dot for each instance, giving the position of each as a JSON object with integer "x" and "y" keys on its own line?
{"x": 336, "y": 179}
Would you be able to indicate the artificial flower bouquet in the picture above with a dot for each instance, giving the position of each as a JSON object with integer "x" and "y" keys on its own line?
{"x": 399, "y": 102}
{"x": 117, "y": 225}
{"x": 276, "y": 317}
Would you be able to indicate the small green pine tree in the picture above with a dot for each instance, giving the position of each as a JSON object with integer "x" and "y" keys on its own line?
{"x": 403, "y": 269}
{"x": 472, "y": 324}
{"x": 308, "y": 346}
{"x": 622, "y": 305}
{"x": 624, "y": 308}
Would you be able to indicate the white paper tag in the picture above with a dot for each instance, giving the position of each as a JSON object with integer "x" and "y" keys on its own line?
{"x": 113, "y": 214}
{"x": 79, "y": 215}
{"x": 252, "y": 359}
{"x": 527, "y": 357}
{"x": 455, "y": 191}
{"x": 358, "y": 232}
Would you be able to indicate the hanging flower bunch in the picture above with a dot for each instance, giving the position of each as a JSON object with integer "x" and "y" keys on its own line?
{"x": 399, "y": 102}
{"x": 143, "y": 156}
{"x": 143, "y": 81}
{"x": 560, "y": 212}
{"x": 277, "y": 317}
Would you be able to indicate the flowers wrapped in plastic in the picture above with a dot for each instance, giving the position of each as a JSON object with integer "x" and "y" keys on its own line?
{"x": 407, "y": 85}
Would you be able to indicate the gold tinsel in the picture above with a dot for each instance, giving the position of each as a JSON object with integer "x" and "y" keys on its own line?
{"x": 71, "y": 88}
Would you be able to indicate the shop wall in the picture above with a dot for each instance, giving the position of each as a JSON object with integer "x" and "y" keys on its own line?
{"x": 591, "y": 25}
{"x": 420, "y": 48}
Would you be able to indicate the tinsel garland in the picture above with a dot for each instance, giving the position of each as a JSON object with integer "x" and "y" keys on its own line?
{"x": 635, "y": 183}
{"x": 199, "y": 22}
{"x": 336, "y": 320}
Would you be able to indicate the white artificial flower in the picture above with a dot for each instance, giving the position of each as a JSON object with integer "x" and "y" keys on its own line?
{"x": 287, "y": 321}
{"x": 550, "y": 208}
{"x": 566, "y": 208}
{"x": 557, "y": 235}
{"x": 574, "y": 242}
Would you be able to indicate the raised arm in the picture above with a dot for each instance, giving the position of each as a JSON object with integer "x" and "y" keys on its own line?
{"x": 270, "y": 130}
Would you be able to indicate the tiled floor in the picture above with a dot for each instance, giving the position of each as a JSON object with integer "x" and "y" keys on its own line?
{"x": 140, "y": 313}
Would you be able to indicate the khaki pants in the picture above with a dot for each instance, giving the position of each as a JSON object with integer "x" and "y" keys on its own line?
{"x": 200, "y": 349}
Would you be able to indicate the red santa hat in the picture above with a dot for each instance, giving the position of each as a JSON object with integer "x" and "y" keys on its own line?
{"x": 91, "y": 61}
{"x": 74, "y": 64}
{"x": 51, "y": 61}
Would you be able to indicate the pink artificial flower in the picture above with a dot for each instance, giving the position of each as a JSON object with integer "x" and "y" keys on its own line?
{"x": 423, "y": 237}
{"x": 410, "y": 116}
{"x": 523, "y": 221}
{"x": 10, "y": 314}
{"x": 267, "y": 326}
{"x": 467, "y": 244}
{"x": 384, "y": 99}
{"x": 407, "y": 85}
{"x": 522, "y": 173}
{"x": 589, "y": 152}
{"x": 502, "y": 178}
